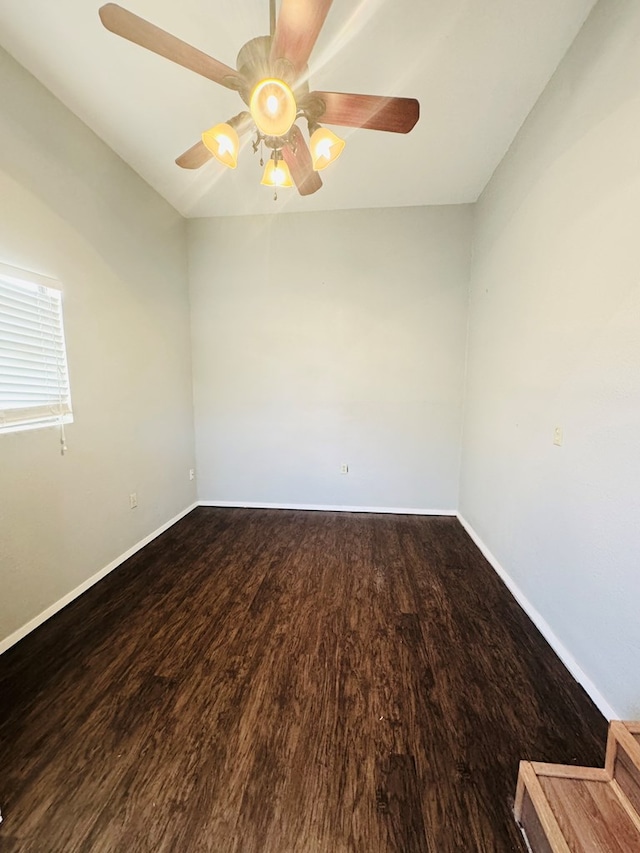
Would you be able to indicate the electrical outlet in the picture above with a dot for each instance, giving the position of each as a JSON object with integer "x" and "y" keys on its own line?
{"x": 133, "y": 500}
{"x": 192, "y": 473}
{"x": 344, "y": 468}
{"x": 557, "y": 436}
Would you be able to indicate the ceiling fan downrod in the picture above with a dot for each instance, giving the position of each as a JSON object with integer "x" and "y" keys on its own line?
{"x": 272, "y": 17}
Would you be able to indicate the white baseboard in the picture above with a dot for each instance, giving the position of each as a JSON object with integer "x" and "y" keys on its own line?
{"x": 542, "y": 625}
{"x": 330, "y": 508}
{"x": 12, "y": 639}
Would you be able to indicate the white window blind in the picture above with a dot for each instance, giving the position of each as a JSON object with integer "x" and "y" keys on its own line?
{"x": 34, "y": 379}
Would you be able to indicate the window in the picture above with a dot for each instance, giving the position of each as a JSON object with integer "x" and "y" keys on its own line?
{"x": 34, "y": 380}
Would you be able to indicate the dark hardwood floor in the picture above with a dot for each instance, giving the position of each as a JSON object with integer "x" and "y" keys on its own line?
{"x": 266, "y": 681}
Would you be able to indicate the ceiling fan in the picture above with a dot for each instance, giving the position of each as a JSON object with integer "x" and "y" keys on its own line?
{"x": 271, "y": 79}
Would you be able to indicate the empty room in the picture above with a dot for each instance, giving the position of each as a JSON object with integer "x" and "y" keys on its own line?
{"x": 320, "y": 426}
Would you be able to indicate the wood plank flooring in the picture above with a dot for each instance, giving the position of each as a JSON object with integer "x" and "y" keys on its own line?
{"x": 269, "y": 681}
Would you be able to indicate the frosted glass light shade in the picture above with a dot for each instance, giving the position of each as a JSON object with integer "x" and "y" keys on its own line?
{"x": 273, "y": 107}
{"x": 325, "y": 148}
{"x": 223, "y": 142}
{"x": 277, "y": 174}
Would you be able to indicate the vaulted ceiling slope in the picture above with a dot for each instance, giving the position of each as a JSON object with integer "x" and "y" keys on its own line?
{"x": 476, "y": 66}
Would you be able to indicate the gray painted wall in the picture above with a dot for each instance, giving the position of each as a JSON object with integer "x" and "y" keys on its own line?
{"x": 554, "y": 340}
{"x": 72, "y": 210}
{"x": 330, "y": 338}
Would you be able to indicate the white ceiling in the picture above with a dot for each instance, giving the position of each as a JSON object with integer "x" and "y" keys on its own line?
{"x": 476, "y": 66}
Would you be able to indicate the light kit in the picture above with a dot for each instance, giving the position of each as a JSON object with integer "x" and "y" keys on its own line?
{"x": 223, "y": 142}
{"x": 276, "y": 174}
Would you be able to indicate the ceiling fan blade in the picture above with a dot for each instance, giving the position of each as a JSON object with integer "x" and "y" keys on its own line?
{"x": 129, "y": 26}
{"x": 195, "y": 157}
{"x": 298, "y": 158}
{"x": 297, "y": 29}
{"x": 374, "y": 112}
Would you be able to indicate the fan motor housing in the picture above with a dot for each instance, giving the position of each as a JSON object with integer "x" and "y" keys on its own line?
{"x": 254, "y": 64}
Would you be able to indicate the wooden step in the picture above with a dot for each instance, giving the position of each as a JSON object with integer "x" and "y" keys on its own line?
{"x": 623, "y": 759}
{"x": 565, "y": 809}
